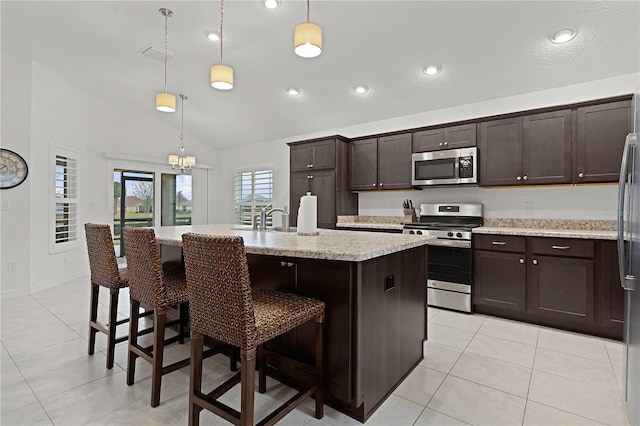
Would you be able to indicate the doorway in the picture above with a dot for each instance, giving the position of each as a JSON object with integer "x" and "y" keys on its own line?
{"x": 133, "y": 203}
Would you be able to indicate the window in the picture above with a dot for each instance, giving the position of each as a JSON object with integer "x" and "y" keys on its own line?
{"x": 64, "y": 200}
{"x": 253, "y": 191}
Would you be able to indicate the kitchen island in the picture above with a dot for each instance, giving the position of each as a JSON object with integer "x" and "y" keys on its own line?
{"x": 373, "y": 286}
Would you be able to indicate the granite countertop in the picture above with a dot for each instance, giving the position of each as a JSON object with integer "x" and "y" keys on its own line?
{"x": 369, "y": 225}
{"x": 370, "y": 222}
{"x": 329, "y": 244}
{"x": 539, "y": 232}
{"x": 563, "y": 228}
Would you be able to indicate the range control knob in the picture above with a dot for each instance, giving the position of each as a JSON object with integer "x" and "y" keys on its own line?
{"x": 449, "y": 234}
{"x": 419, "y": 232}
{"x": 459, "y": 235}
{"x": 411, "y": 232}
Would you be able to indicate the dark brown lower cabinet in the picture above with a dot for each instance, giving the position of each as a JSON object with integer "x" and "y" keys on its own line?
{"x": 571, "y": 284}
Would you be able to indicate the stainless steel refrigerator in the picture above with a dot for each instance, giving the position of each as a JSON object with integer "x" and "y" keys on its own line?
{"x": 629, "y": 258}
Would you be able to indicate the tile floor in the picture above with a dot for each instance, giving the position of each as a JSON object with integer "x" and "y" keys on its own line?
{"x": 477, "y": 370}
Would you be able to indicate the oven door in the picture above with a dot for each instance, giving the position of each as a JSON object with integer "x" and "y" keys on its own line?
{"x": 449, "y": 264}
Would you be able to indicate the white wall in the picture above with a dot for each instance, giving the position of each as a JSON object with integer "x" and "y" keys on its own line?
{"x": 41, "y": 109}
{"x": 587, "y": 202}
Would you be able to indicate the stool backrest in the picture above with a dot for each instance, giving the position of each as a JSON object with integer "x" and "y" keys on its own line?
{"x": 146, "y": 279}
{"x": 102, "y": 258}
{"x": 219, "y": 289}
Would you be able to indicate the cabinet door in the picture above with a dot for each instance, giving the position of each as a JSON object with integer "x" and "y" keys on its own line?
{"x": 428, "y": 140}
{"x": 300, "y": 184}
{"x": 499, "y": 280}
{"x": 301, "y": 157}
{"x": 323, "y": 155}
{"x": 562, "y": 288}
{"x": 602, "y": 130}
{"x": 323, "y": 185}
{"x": 546, "y": 148}
{"x": 363, "y": 173}
{"x": 394, "y": 162}
{"x": 500, "y": 152}
{"x": 609, "y": 292}
{"x": 462, "y": 136}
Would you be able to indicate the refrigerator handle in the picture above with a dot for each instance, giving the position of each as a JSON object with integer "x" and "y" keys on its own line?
{"x": 626, "y": 281}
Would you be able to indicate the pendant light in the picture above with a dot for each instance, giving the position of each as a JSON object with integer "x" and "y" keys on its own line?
{"x": 182, "y": 161}
{"x": 165, "y": 101}
{"x": 307, "y": 38}
{"x": 221, "y": 75}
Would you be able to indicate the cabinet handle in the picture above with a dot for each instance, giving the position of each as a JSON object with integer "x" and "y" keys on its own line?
{"x": 446, "y": 143}
{"x": 380, "y": 183}
{"x": 561, "y": 247}
{"x": 373, "y": 184}
{"x": 309, "y": 166}
{"x": 518, "y": 178}
{"x": 498, "y": 243}
{"x": 440, "y": 144}
{"x": 535, "y": 262}
{"x": 521, "y": 260}
{"x": 287, "y": 264}
{"x": 525, "y": 177}
{"x": 309, "y": 176}
{"x": 580, "y": 175}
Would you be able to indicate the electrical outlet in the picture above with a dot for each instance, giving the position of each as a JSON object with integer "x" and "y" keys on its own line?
{"x": 528, "y": 207}
{"x": 12, "y": 266}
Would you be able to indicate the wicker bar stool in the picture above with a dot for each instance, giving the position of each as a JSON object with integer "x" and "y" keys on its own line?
{"x": 149, "y": 285}
{"x": 105, "y": 273}
{"x": 222, "y": 306}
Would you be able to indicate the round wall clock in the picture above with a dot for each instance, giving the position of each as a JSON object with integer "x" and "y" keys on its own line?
{"x": 13, "y": 169}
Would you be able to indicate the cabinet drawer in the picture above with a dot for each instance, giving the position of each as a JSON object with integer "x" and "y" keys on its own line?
{"x": 562, "y": 247}
{"x": 510, "y": 243}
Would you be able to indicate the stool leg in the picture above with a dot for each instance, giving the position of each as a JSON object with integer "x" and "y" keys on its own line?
{"x": 233, "y": 359}
{"x": 197, "y": 342}
{"x": 134, "y": 316}
{"x": 93, "y": 316}
{"x": 247, "y": 384}
{"x": 159, "y": 321}
{"x": 113, "y": 318}
{"x": 183, "y": 321}
{"x": 262, "y": 371}
{"x": 319, "y": 394}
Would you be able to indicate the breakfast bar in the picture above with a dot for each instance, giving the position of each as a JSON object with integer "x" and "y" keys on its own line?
{"x": 373, "y": 286}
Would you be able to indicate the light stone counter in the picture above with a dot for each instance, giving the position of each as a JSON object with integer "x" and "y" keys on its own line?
{"x": 365, "y": 225}
{"x": 538, "y": 232}
{"x": 329, "y": 244}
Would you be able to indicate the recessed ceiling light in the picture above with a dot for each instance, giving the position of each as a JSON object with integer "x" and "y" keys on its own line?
{"x": 271, "y": 4}
{"x": 361, "y": 88}
{"x": 212, "y": 35}
{"x": 293, "y": 91}
{"x": 432, "y": 69}
{"x": 564, "y": 35}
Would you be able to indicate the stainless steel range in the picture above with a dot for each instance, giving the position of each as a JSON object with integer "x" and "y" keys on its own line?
{"x": 449, "y": 256}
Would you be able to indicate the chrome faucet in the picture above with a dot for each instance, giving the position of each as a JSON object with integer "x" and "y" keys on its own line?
{"x": 285, "y": 217}
{"x": 263, "y": 217}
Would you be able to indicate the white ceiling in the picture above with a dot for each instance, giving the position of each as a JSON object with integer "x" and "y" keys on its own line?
{"x": 487, "y": 50}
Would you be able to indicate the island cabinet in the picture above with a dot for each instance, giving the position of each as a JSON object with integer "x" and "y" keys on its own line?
{"x": 320, "y": 166}
{"x": 534, "y": 149}
{"x": 602, "y": 130}
{"x": 380, "y": 163}
{"x": 566, "y": 283}
{"x": 453, "y": 137}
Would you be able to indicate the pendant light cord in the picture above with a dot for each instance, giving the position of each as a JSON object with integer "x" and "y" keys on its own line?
{"x": 307, "y": 11}
{"x": 182, "y": 125}
{"x": 221, "y": 25}
{"x": 166, "y": 42}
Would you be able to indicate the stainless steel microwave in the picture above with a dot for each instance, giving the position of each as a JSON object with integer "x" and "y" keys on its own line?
{"x": 445, "y": 167}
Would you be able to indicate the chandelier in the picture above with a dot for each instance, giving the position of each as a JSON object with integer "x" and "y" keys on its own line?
{"x": 183, "y": 162}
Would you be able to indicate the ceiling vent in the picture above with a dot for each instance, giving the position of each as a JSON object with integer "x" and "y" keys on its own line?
{"x": 156, "y": 53}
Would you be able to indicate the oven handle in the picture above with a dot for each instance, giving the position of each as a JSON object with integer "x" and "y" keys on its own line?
{"x": 450, "y": 243}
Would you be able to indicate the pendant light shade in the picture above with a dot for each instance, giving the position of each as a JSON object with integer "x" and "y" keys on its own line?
{"x": 165, "y": 101}
{"x": 222, "y": 77}
{"x": 308, "y": 40}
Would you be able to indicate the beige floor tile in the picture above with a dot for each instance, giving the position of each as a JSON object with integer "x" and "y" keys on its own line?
{"x": 438, "y": 357}
{"x": 37, "y": 339}
{"x": 501, "y": 375}
{"x": 3, "y": 352}
{"x": 19, "y": 304}
{"x": 14, "y": 325}
{"x": 458, "y": 320}
{"x": 503, "y": 350}
{"x": 432, "y": 312}
{"x": 476, "y": 404}
{"x": 396, "y": 411}
{"x": 31, "y": 415}
{"x": 430, "y": 417}
{"x": 57, "y": 352}
{"x": 574, "y": 344}
{"x": 577, "y": 368}
{"x": 15, "y": 393}
{"x": 420, "y": 385}
{"x": 94, "y": 400}
{"x": 543, "y": 415}
{"x": 141, "y": 413}
{"x": 447, "y": 336}
{"x": 510, "y": 330}
{"x": 578, "y": 398}
{"x": 615, "y": 351}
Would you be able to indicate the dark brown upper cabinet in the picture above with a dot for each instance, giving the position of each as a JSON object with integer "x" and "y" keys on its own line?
{"x": 602, "y": 131}
{"x": 534, "y": 149}
{"x": 380, "y": 163}
{"x": 313, "y": 156}
{"x": 454, "y": 137}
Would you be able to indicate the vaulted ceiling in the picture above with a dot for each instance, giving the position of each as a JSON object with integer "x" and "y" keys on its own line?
{"x": 487, "y": 50}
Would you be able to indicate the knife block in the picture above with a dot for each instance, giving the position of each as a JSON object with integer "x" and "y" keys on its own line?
{"x": 409, "y": 215}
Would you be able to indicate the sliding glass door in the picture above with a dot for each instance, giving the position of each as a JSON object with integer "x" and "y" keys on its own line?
{"x": 133, "y": 203}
